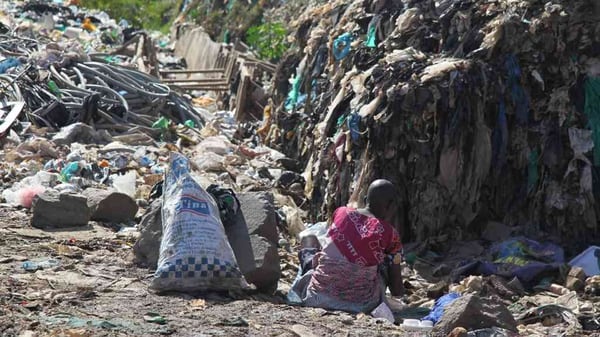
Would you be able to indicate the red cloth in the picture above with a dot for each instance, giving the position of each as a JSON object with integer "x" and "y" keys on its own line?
{"x": 362, "y": 239}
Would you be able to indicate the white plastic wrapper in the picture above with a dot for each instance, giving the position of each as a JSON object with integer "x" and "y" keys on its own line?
{"x": 194, "y": 252}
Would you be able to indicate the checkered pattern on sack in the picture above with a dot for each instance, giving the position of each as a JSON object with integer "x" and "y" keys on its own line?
{"x": 204, "y": 267}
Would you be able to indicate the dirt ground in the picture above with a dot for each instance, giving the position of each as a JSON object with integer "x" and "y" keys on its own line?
{"x": 95, "y": 290}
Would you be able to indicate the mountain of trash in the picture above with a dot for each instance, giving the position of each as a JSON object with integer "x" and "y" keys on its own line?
{"x": 481, "y": 110}
{"x": 68, "y": 64}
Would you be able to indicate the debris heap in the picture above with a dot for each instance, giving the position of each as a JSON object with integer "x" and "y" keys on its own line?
{"x": 480, "y": 110}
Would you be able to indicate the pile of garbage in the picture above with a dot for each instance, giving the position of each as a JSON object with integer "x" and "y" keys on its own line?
{"x": 87, "y": 134}
{"x": 62, "y": 65}
{"x": 480, "y": 110}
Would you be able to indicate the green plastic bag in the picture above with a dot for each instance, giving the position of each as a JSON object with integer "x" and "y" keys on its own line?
{"x": 161, "y": 123}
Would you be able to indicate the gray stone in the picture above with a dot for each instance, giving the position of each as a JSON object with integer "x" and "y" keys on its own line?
{"x": 259, "y": 214}
{"x": 472, "y": 312}
{"x": 110, "y": 206}
{"x": 81, "y": 133}
{"x": 255, "y": 254}
{"x": 59, "y": 210}
{"x": 147, "y": 247}
{"x": 266, "y": 271}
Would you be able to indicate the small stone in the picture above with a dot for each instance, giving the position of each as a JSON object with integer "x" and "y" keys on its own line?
{"x": 437, "y": 290}
{"x": 575, "y": 279}
{"x": 265, "y": 270}
{"x": 258, "y": 212}
{"x": 59, "y": 210}
{"x": 458, "y": 332}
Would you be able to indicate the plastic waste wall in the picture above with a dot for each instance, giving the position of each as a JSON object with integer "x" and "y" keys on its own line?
{"x": 479, "y": 110}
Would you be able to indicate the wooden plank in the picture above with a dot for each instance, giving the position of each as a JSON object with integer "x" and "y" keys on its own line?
{"x": 191, "y": 80}
{"x": 193, "y": 71}
{"x": 232, "y": 61}
{"x": 200, "y": 85}
{"x": 216, "y": 89}
{"x": 240, "y": 104}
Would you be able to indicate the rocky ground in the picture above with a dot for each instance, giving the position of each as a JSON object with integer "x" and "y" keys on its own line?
{"x": 96, "y": 290}
{"x": 91, "y": 287}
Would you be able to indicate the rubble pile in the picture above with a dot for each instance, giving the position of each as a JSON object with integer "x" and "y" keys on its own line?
{"x": 481, "y": 110}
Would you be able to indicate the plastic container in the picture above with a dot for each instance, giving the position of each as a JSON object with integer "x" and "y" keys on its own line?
{"x": 416, "y": 325}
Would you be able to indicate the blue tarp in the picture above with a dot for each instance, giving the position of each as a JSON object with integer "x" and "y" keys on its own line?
{"x": 518, "y": 257}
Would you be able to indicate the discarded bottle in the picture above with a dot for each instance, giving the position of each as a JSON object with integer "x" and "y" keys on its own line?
{"x": 33, "y": 265}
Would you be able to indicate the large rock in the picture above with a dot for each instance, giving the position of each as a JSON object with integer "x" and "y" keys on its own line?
{"x": 265, "y": 270}
{"x": 252, "y": 234}
{"x": 256, "y": 256}
{"x": 147, "y": 247}
{"x": 472, "y": 312}
{"x": 258, "y": 213}
{"x": 59, "y": 210}
{"x": 110, "y": 206}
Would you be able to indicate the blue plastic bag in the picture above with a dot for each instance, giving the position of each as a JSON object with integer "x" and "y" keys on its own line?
{"x": 438, "y": 308}
{"x": 341, "y": 46}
